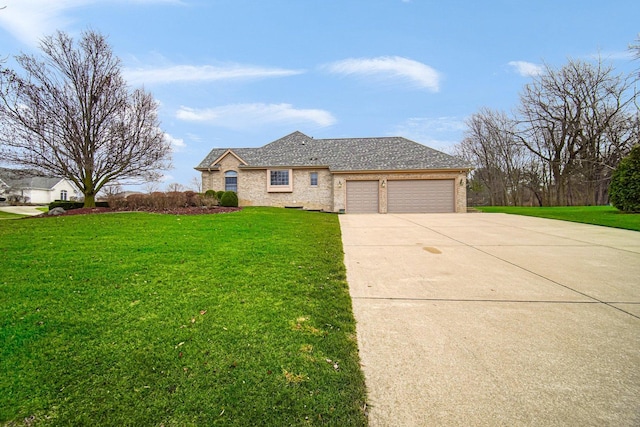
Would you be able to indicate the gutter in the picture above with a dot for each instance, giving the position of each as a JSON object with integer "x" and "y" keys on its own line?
{"x": 379, "y": 171}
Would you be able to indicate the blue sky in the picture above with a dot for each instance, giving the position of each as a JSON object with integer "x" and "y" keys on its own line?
{"x": 242, "y": 73}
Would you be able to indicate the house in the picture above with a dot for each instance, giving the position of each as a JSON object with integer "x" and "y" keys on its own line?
{"x": 28, "y": 186}
{"x": 352, "y": 175}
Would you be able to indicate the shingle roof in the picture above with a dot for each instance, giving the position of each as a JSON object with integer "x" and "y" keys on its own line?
{"x": 25, "y": 179}
{"x": 347, "y": 154}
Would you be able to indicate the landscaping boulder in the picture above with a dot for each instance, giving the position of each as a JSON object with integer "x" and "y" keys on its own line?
{"x": 57, "y": 211}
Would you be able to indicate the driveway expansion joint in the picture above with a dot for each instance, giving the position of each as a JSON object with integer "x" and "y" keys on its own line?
{"x": 438, "y": 348}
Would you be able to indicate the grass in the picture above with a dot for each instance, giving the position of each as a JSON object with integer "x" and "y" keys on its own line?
{"x": 136, "y": 319}
{"x": 9, "y": 215}
{"x": 597, "y": 215}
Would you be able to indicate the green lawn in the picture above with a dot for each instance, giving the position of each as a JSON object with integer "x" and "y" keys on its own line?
{"x": 598, "y": 215}
{"x": 137, "y": 319}
{"x": 9, "y": 215}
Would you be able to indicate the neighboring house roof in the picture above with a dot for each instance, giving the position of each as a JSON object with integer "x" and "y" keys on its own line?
{"x": 26, "y": 179}
{"x": 346, "y": 154}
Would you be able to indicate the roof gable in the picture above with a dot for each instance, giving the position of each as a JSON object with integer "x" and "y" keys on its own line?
{"x": 346, "y": 154}
{"x": 228, "y": 152}
{"x": 27, "y": 179}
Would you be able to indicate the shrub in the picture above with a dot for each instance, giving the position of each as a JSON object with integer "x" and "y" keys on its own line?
{"x": 157, "y": 200}
{"x": 160, "y": 201}
{"x": 68, "y": 205}
{"x": 192, "y": 198}
{"x": 209, "y": 199}
{"x": 15, "y": 199}
{"x": 137, "y": 201}
{"x": 219, "y": 195}
{"x": 117, "y": 202}
{"x": 624, "y": 190}
{"x": 229, "y": 199}
{"x": 176, "y": 199}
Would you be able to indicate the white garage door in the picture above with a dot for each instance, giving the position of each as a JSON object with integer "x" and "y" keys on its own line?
{"x": 424, "y": 195}
{"x": 362, "y": 196}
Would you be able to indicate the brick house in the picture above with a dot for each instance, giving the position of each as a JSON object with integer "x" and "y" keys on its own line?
{"x": 352, "y": 175}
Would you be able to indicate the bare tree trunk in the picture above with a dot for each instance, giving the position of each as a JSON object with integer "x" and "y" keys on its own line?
{"x": 73, "y": 116}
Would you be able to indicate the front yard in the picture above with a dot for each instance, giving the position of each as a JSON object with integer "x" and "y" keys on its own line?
{"x": 7, "y": 215}
{"x": 146, "y": 319}
{"x": 598, "y": 215}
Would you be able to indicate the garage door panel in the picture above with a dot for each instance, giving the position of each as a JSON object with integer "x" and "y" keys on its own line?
{"x": 429, "y": 196}
{"x": 362, "y": 196}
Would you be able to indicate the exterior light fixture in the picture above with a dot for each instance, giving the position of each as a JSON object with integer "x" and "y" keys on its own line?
{"x": 384, "y": 183}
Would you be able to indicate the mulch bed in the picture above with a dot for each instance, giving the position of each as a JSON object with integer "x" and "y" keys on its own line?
{"x": 174, "y": 211}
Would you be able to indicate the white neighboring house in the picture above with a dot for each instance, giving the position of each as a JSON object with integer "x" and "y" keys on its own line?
{"x": 32, "y": 187}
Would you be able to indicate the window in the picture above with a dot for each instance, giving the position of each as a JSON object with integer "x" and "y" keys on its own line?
{"x": 314, "y": 179}
{"x": 279, "y": 180}
{"x": 279, "y": 177}
{"x": 231, "y": 181}
{"x": 63, "y": 195}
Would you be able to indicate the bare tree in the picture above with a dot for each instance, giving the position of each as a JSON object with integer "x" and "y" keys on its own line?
{"x": 574, "y": 124}
{"x": 575, "y": 120}
{"x": 635, "y": 48}
{"x": 175, "y": 187}
{"x": 111, "y": 189}
{"x": 71, "y": 114}
{"x": 500, "y": 160}
{"x": 196, "y": 184}
{"x": 152, "y": 186}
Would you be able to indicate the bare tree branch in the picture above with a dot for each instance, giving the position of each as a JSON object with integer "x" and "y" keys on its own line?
{"x": 576, "y": 120}
{"x": 576, "y": 123}
{"x": 71, "y": 114}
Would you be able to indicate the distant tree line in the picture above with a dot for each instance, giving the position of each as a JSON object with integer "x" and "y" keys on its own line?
{"x": 562, "y": 143}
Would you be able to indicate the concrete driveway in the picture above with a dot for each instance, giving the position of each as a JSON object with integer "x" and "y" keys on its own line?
{"x": 21, "y": 210}
{"x": 495, "y": 320}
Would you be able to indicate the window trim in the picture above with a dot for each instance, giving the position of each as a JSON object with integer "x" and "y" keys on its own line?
{"x": 64, "y": 195}
{"x": 287, "y": 188}
{"x": 231, "y": 174}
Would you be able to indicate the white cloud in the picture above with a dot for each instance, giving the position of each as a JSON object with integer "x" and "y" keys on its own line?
{"x": 440, "y": 133}
{"x": 194, "y": 137}
{"x": 245, "y": 116}
{"x": 177, "y": 144}
{"x": 390, "y": 67}
{"x": 624, "y": 55}
{"x": 527, "y": 69}
{"x": 192, "y": 73}
{"x": 30, "y": 20}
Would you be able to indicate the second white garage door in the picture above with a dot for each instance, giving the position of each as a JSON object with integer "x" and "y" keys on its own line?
{"x": 362, "y": 196}
{"x": 424, "y": 195}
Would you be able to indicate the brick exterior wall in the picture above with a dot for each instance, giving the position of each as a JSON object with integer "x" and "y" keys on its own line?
{"x": 214, "y": 179}
{"x": 252, "y": 190}
{"x": 328, "y": 195}
{"x": 252, "y": 186}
